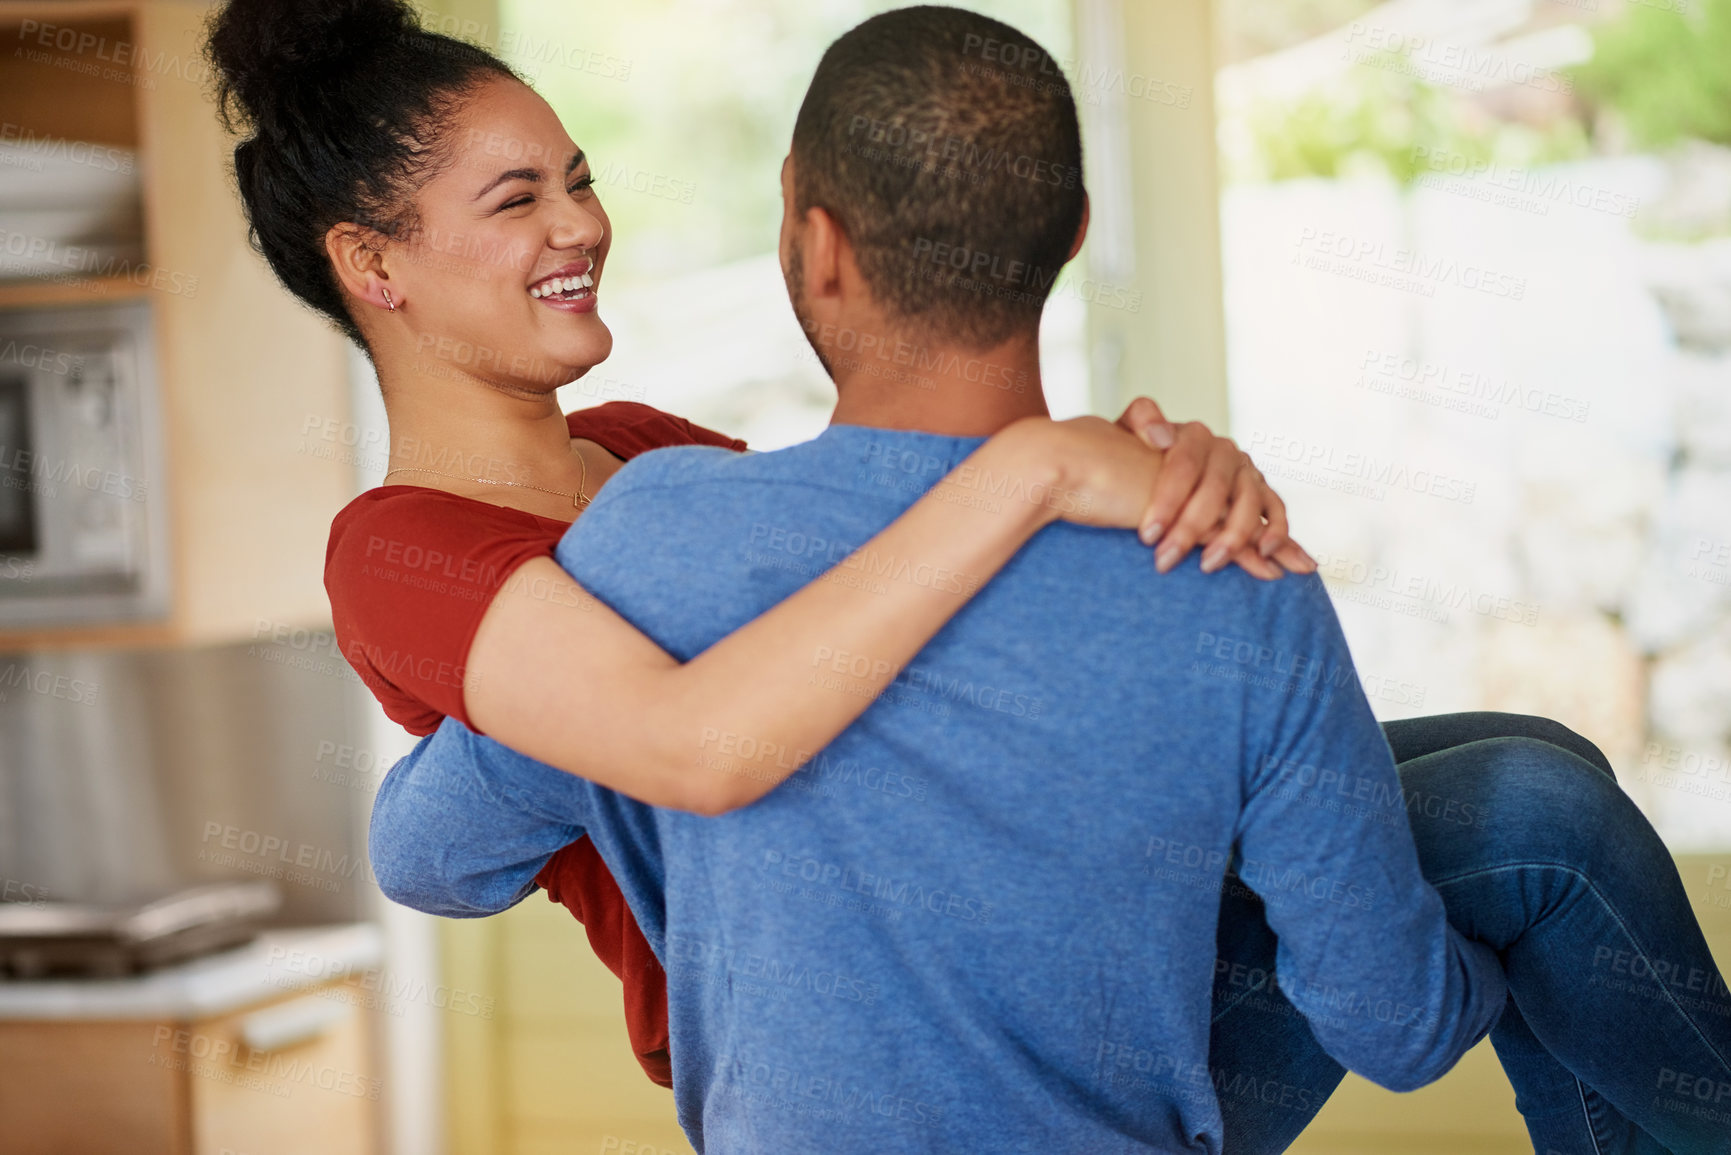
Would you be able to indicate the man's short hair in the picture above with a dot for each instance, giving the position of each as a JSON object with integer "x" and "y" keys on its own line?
{"x": 947, "y": 147}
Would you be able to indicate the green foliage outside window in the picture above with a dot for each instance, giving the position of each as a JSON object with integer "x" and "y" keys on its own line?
{"x": 1667, "y": 73}
{"x": 1376, "y": 117}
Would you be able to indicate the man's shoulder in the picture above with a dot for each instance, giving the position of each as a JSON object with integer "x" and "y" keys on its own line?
{"x": 669, "y": 466}
{"x": 688, "y": 466}
{"x": 685, "y": 494}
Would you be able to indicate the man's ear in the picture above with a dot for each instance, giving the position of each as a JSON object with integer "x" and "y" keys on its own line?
{"x": 358, "y": 260}
{"x": 1081, "y": 230}
{"x": 827, "y": 253}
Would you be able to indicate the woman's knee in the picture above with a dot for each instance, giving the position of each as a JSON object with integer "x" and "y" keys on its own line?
{"x": 1411, "y": 738}
{"x": 1522, "y": 796}
{"x": 1550, "y": 731}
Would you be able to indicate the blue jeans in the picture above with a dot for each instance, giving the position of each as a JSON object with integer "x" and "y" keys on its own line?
{"x": 1617, "y": 1033}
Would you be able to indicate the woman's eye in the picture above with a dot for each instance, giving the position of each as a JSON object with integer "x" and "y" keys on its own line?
{"x": 582, "y": 186}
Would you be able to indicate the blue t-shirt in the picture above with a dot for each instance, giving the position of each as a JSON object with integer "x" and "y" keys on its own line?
{"x": 983, "y": 919}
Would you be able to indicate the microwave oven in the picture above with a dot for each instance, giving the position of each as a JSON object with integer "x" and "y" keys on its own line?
{"x": 83, "y": 539}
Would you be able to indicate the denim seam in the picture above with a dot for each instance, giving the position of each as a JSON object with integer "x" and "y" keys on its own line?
{"x": 1611, "y": 910}
{"x": 1587, "y": 1117}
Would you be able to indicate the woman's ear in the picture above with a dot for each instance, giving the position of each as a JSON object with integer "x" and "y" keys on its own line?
{"x": 358, "y": 260}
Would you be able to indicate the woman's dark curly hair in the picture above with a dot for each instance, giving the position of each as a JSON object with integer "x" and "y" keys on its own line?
{"x": 345, "y": 103}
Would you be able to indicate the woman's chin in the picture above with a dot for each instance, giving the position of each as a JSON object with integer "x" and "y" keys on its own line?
{"x": 584, "y": 347}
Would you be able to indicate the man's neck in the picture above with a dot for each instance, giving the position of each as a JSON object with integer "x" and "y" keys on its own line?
{"x": 935, "y": 388}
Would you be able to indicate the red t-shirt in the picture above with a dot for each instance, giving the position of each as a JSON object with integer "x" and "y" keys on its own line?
{"x": 410, "y": 571}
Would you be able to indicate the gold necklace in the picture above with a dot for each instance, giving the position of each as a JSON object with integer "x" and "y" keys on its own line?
{"x": 578, "y": 499}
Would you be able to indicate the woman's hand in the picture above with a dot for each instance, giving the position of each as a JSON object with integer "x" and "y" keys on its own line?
{"x": 1196, "y": 489}
{"x": 1210, "y": 493}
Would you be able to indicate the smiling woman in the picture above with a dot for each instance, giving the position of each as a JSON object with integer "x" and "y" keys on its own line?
{"x": 417, "y": 193}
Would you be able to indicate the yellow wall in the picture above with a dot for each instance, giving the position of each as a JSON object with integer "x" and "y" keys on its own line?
{"x": 551, "y": 1070}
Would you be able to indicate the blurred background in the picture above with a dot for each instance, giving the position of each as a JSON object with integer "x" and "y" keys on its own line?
{"x": 1457, "y": 274}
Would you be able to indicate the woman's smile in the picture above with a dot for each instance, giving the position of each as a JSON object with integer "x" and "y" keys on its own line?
{"x": 570, "y": 288}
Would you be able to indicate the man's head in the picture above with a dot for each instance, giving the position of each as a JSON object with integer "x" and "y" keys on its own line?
{"x": 939, "y": 151}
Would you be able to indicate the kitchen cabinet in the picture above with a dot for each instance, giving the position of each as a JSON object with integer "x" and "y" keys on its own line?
{"x": 267, "y": 1050}
{"x": 252, "y": 388}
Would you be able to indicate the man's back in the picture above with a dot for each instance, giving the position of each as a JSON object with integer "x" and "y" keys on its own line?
{"x": 984, "y": 918}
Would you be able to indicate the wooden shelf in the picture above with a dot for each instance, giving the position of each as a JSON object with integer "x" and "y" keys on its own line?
{"x": 50, "y": 92}
{"x": 242, "y": 368}
{"x": 64, "y": 11}
{"x": 83, "y": 291}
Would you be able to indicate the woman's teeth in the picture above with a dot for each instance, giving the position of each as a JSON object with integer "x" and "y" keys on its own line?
{"x": 562, "y": 285}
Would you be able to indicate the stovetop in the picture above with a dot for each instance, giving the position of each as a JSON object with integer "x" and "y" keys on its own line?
{"x": 40, "y": 939}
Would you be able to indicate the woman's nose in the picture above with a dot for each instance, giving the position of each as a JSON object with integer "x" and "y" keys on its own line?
{"x": 578, "y": 228}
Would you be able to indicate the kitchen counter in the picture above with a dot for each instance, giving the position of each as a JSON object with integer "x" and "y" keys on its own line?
{"x": 277, "y": 962}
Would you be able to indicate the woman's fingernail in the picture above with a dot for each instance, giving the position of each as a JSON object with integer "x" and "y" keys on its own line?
{"x": 1213, "y": 559}
{"x": 1160, "y": 436}
{"x": 1151, "y": 532}
{"x": 1166, "y": 558}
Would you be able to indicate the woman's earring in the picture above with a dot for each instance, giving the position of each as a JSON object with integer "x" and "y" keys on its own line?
{"x": 390, "y": 303}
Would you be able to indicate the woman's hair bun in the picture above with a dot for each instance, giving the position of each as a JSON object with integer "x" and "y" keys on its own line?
{"x": 266, "y": 52}
{"x": 350, "y": 107}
